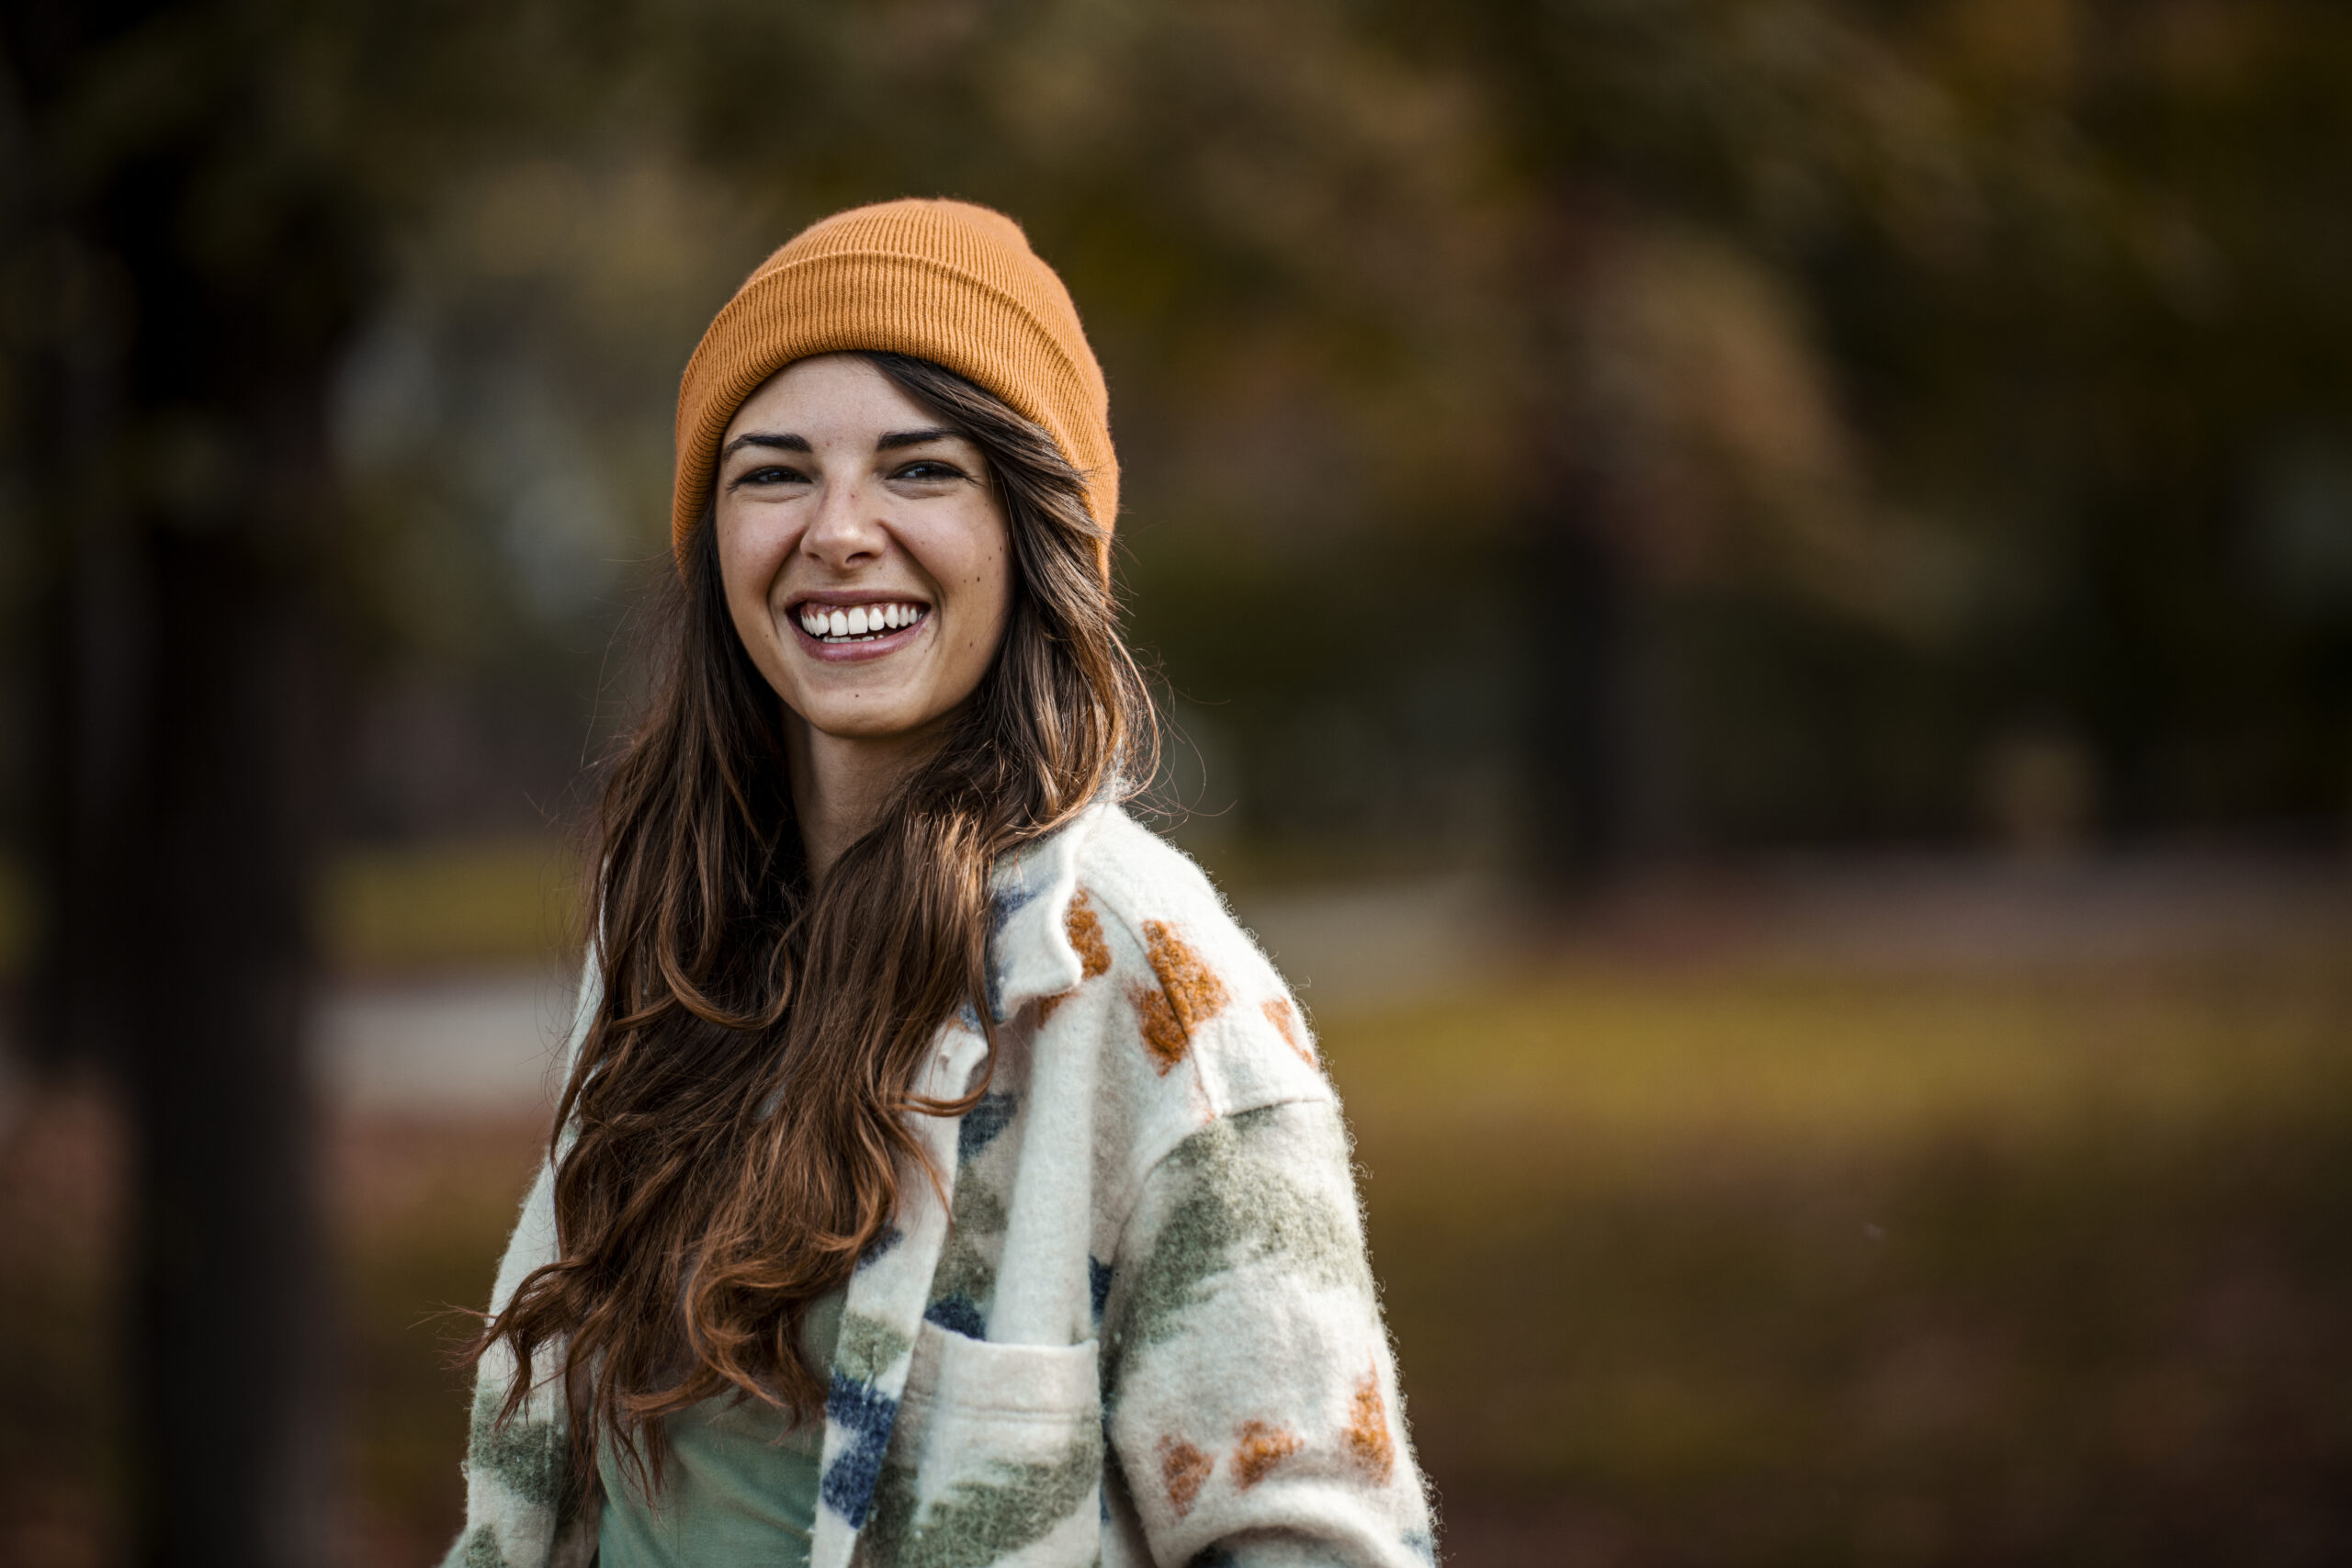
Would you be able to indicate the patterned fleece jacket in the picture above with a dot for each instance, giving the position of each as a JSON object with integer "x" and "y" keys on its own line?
{"x": 1141, "y": 1331}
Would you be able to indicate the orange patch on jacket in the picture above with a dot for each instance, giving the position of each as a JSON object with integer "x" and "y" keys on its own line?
{"x": 1163, "y": 1035}
{"x": 1366, "y": 1439}
{"x": 1195, "y": 994}
{"x": 1286, "y": 1022}
{"x": 1262, "y": 1447}
{"x": 1086, "y": 935}
{"x": 1190, "y": 994}
{"x": 1184, "y": 1469}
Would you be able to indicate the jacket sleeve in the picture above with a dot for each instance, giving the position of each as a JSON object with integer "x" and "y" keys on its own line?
{"x": 1251, "y": 1396}
{"x": 523, "y": 1506}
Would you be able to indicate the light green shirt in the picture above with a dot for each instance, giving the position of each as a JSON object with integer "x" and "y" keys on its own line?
{"x": 740, "y": 1486}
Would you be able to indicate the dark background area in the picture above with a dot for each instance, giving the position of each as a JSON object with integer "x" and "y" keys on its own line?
{"x": 1790, "y": 561}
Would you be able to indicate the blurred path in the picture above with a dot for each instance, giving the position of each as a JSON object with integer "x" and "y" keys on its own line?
{"x": 1366, "y": 946}
{"x": 488, "y": 1041}
{"x": 480, "y": 1042}
{"x": 1961, "y": 913}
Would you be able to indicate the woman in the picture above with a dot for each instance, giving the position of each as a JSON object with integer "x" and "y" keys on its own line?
{"x": 942, "y": 1177}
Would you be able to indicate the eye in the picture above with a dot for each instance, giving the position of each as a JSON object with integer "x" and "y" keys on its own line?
{"x": 768, "y": 474}
{"x": 933, "y": 469}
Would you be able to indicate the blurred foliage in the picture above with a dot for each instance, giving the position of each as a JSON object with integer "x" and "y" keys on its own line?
{"x": 1951, "y": 371}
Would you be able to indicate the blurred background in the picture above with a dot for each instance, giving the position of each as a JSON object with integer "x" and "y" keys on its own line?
{"x": 1754, "y": 597}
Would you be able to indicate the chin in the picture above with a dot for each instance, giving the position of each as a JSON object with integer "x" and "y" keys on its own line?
{"x": 866, "y": 725}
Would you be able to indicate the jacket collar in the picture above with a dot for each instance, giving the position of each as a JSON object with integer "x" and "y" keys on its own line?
{"x": 1030, "y": 890}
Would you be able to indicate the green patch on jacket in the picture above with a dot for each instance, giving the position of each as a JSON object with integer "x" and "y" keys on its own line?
{"x": 976, "y": 1232}
{"x": 867, "y": 1347}
{"x": 530, "y": 1458}
{"x": 1239, "y": 1201}
{"x": 481, "y": 1549}
{"x": 982, "y": 1519}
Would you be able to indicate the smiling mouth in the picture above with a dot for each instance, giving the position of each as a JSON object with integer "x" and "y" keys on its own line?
{"x": 859, "y": 623}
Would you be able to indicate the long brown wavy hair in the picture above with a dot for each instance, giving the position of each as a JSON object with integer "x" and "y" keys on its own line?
{"x": 732, "y": 1136}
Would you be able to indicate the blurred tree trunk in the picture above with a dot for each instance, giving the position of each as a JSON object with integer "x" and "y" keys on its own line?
{"x": 1598, "y": 768}
{"x": 197, "y": 284}
{"x": 1599, "y": 794}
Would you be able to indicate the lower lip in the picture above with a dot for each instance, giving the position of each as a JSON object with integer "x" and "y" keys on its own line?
{"x": 857, "y": 652}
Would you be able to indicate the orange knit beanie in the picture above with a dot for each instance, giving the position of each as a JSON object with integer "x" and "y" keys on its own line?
{"x": 944, "y": 281}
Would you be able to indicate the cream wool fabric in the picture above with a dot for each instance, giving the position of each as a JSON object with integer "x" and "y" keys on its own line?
{"x": 1144, "y": 1330}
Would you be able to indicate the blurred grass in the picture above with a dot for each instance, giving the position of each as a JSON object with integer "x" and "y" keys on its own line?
{"x": 60, "y": 1189}
{"x": 1766, "y": 1268}
{"x": 1711, "y": 1264}
{"x": 1782, "y": 1058}
{"x": 422, "y": 1208}
{"x": 424, "y": 906}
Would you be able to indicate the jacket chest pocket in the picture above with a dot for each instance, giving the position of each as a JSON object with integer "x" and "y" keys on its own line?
{"x": 996, "y": 1458}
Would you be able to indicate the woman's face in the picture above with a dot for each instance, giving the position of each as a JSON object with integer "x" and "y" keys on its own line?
{"x": 863, "y": 549}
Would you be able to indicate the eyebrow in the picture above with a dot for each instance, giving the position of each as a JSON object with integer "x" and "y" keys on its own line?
{"x": 899, "y": 438}
{"x": 759, "y": 438}
{"x": 788, "y": 443}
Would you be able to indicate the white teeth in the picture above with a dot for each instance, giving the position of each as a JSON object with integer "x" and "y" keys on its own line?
{"x": 859, "y": 621}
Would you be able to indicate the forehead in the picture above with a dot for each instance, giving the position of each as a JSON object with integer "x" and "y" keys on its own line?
{"x": 829, "y": 397}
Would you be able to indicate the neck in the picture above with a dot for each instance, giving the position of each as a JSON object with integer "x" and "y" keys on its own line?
{"x": 840, "y": 784}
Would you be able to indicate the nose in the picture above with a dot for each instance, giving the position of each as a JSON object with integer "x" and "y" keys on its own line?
{"x": 847, "y": 531}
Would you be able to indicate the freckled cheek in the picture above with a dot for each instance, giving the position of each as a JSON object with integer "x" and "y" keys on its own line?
{"x": 738, "y": 567}
{"x": 752, "y": 548}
